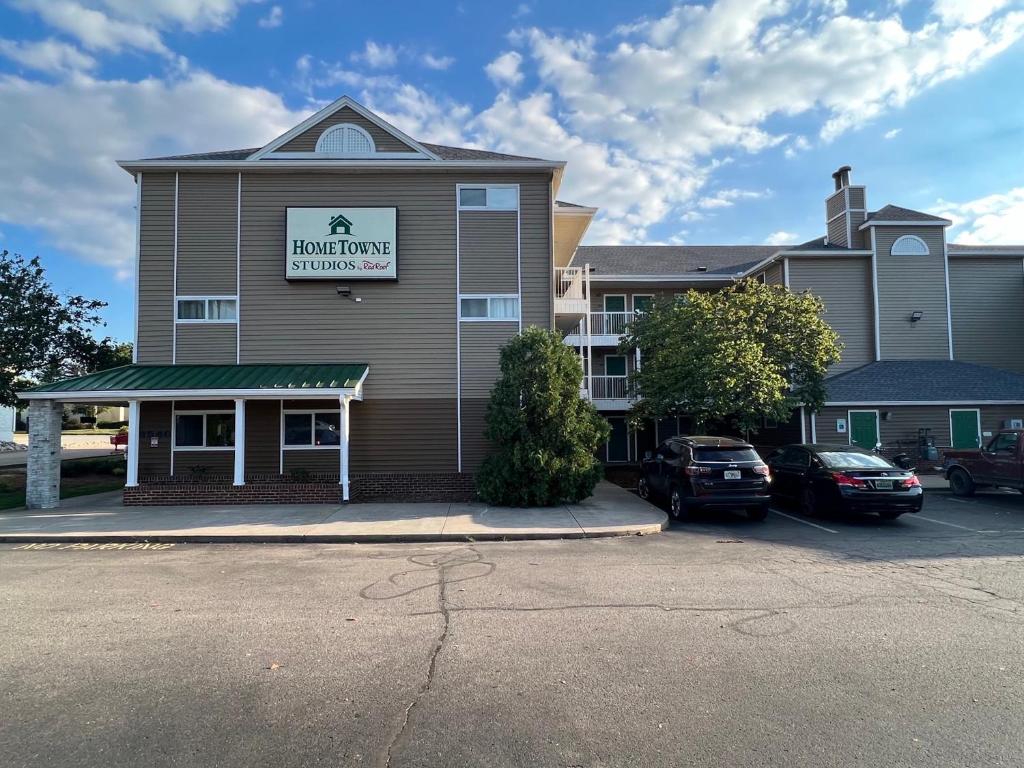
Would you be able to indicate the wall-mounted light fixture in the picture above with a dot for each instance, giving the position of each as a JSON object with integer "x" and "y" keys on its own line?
{"x": 916, "y": 315}
{"x": 346, "y": 292}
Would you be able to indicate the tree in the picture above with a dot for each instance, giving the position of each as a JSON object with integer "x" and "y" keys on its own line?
{"x": 43, "y": 335}
{"x": 545, "y": 435}
{"x": 738, "y": 355}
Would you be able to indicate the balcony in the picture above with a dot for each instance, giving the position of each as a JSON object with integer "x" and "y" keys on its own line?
{"x": 572, "y": 291}
{"x": 606, "y": 328}
{"x": 609, "y": 393}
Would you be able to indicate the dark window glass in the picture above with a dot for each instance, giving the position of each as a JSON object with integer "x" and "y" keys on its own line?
{"x": 220, "y": 429}
{"x": 475, "y": 197}
{"x": 191, "y": 310}
{"x": 725, "y": 454}
{"x": 298, "y": 429}
{"x": 854, "y": 460}
{"x": 642, "y": 303}
{"x": 474, "y": 307}
{"x": 188, "y": 430}
{"x": 1004, "y": 443}
{"x": 328, "y": 428}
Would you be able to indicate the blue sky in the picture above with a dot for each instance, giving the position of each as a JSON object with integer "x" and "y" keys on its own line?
{"x": 688, "y": 122}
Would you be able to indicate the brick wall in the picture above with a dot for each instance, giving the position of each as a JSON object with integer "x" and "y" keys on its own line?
{"x": 317, "y": 489}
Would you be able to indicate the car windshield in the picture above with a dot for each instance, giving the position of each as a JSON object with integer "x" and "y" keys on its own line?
{"x": 854, "y": 459}
{"x": 705, "y": 453}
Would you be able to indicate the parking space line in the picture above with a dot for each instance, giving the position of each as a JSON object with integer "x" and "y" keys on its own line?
{"x": 805, "y": 522}
{"x": 943, "y": 522}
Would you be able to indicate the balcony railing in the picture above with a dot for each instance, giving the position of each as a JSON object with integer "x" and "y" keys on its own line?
{"x": 569, "y": 283}
{"x": 609, "y": 323}
{"x": 608, "y": 388}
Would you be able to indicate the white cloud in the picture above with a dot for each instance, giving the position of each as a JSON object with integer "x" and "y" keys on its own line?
{"x": 892, "y": 134}
{"x": 50, "y": 56}
{"x": 273, "y": 19}
{"x": 430, "y": 61}
{"x": 726, "y": 198}
{"x": 996, "y": 219}
{"x": 967, "y": 11}
{"x": 69, "y": 135}
{"x": 523, "y": 9}
{"x": 504, "y": 70}
{"x": 377, "y": 56}
{"x": 781, "y": 238}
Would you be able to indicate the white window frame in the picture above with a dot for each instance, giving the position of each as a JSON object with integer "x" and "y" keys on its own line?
{"x": 488, "y": 297}
{"x": 311, "y": 412}
{"x": 206, "y": 309}
{"x": 604, "y": 302}
{"x": 204, "y": 447}
{"x": 344, "y": 127}
{"x": 641, "y": 296}
{"x": 625, "y": 366}
{"x": 487, "y": 206}
{"x": 894, "y": 249}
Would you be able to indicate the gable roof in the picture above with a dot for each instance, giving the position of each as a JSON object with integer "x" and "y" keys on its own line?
{"x": 985, "y": 250}
{"x": 892, "y": 213}
{"x": 659, "y": 260}
{"x": 928, "y": 381}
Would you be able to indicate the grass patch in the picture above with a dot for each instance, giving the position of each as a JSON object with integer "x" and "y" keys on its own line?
{"x": 79, "y": 477}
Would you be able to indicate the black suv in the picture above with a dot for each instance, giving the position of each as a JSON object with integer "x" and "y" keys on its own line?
{"x": 699, "y": 472}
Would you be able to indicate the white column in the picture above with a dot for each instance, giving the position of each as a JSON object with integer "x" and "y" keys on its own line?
{"x": 239, "y": 441}
{"x": 590, "y": 357}
{"x": 814, "y": 427}
{"x": 803, "y": 426}
{"x": 345, "y": 400}
{"x": 133, "y": 444}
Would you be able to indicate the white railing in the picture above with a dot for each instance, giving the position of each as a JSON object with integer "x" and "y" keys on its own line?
{"x": 569, "y": 283}
{"x": 608, "y": 388}
{"x": 609, "y": 323}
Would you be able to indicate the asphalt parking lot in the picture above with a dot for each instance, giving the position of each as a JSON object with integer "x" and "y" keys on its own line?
{"x": 824, "y": 642}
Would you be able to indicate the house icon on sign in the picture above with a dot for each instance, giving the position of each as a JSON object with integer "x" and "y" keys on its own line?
{"x": 340, "y": 225}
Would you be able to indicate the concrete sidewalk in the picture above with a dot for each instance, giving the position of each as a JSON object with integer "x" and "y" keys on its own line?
{"x": 611, "y": 511}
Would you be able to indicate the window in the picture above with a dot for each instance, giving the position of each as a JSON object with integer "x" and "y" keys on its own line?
{"x": 709, "y": 453}
{"x": 196, "y": 430}
{"x": 345, "y": 139}
{"x": 642, "y": 303}
{"x": 615, "y": 365}
{"x": 1005, "y": 442}
{"x": 491, "y": 198}
{"x": 614, "y": 303}
{"x": 312, "y": 429}
{"x": 489, "y": 308}
{"x": 909, "y": 245}
{"x": 853, "y": 460}
{"x": 206, "y": 309}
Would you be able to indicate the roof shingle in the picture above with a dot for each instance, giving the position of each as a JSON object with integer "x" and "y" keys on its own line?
{"x": 896, "y": 213}
{"x": 724, "y": 260}
{"x": 929, "y": 381}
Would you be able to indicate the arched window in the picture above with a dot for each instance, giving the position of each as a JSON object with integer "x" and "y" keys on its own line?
{"x": 909, "y": 245}
{"x": 345, "y": 139}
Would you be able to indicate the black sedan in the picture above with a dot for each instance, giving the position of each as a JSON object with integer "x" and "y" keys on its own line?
{"x": 843, "y": 477}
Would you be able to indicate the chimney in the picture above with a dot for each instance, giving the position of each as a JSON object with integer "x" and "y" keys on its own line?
{"x": 845, "y": 211}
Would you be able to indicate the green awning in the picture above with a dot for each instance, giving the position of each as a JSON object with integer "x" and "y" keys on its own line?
{"x": 210, "y": 380}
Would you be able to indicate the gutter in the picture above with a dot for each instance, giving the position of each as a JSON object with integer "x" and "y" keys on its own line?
{"x": 270, "y": 165}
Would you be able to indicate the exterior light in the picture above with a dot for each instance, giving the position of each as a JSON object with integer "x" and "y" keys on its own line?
{"x": 915, "y": 316}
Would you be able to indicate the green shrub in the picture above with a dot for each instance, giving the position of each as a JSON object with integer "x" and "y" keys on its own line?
{"x": 111, "y": 424}
{"x": 545, "y": 435}
{"x": 100, "y": 465}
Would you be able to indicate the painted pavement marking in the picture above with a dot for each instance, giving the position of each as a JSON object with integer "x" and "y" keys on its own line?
{"x": 805, "y": 522}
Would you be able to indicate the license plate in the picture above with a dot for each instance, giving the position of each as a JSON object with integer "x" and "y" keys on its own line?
{"x": 883, "y": 485}
{"x": 733, "y": 474}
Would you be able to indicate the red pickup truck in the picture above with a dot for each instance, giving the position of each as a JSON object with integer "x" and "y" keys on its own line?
{"x": 998, "y": 464}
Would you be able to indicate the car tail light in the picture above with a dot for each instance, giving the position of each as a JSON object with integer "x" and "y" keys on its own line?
{"x": 761, "y": 469}
{"x": 911, "y": 482}
{"x": 849, "y": 481}
{"x": 695, "y": 469}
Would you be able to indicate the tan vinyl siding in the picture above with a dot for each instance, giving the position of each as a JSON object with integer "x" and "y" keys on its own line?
{"x": 837, "y": 231}
{"x": 206, "y": 343}
{"x": 412, "y": 435}
{"x": 907, "y": 284}
{"x": 488, "y": 252}
{"x": 475, "y": 445}
{"x": 987, "y": 298}
{"x": 905, "y": 420}
{"x": 204, "y": 465}
{"x": 860, "y": 239}
{"x": 844, "y": 284}
{"x": 207, "y": 233}
{"x": 156, "y": 269}
{"x": 774, "y": 274}
{"x": 404, "y": 330}
{"x": 858, "y": 198}
{"x": 325, "y": 461}
{"x": 383, "y": 141}
{"x": 535, "y": 246}
{"x": 834, "y": 204}
{"x": 481, "y": 350}
{"x": 154, "y": 422}
{"x": 262, "y": 436}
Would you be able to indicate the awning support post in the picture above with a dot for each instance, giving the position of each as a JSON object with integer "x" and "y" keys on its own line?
{"x": 345, "y": 400}
{"x": 239, "y": 441}
{"x": 132, "y": 471}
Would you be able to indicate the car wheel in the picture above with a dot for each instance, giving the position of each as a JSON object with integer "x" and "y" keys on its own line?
{"x": 889, "y": 515}
{"x": 808, "y": 503}
{"x": 643, "y": 489}
{"x": 677, "y": 504}
{"x": 960, "y": 483}
{"x": 758, "y": 514}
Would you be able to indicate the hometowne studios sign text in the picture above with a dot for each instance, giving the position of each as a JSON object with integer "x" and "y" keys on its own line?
{"x": 349, "y": 243}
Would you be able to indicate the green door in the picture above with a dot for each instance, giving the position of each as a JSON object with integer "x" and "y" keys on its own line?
{"x": 864, "y": 428}
{"x": 963, "y": 426}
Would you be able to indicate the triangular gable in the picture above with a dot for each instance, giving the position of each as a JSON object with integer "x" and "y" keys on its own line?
{"x": 386, "y": 138}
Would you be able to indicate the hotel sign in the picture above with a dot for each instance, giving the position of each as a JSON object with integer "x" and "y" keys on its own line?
{"x": 341, "y": 243}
